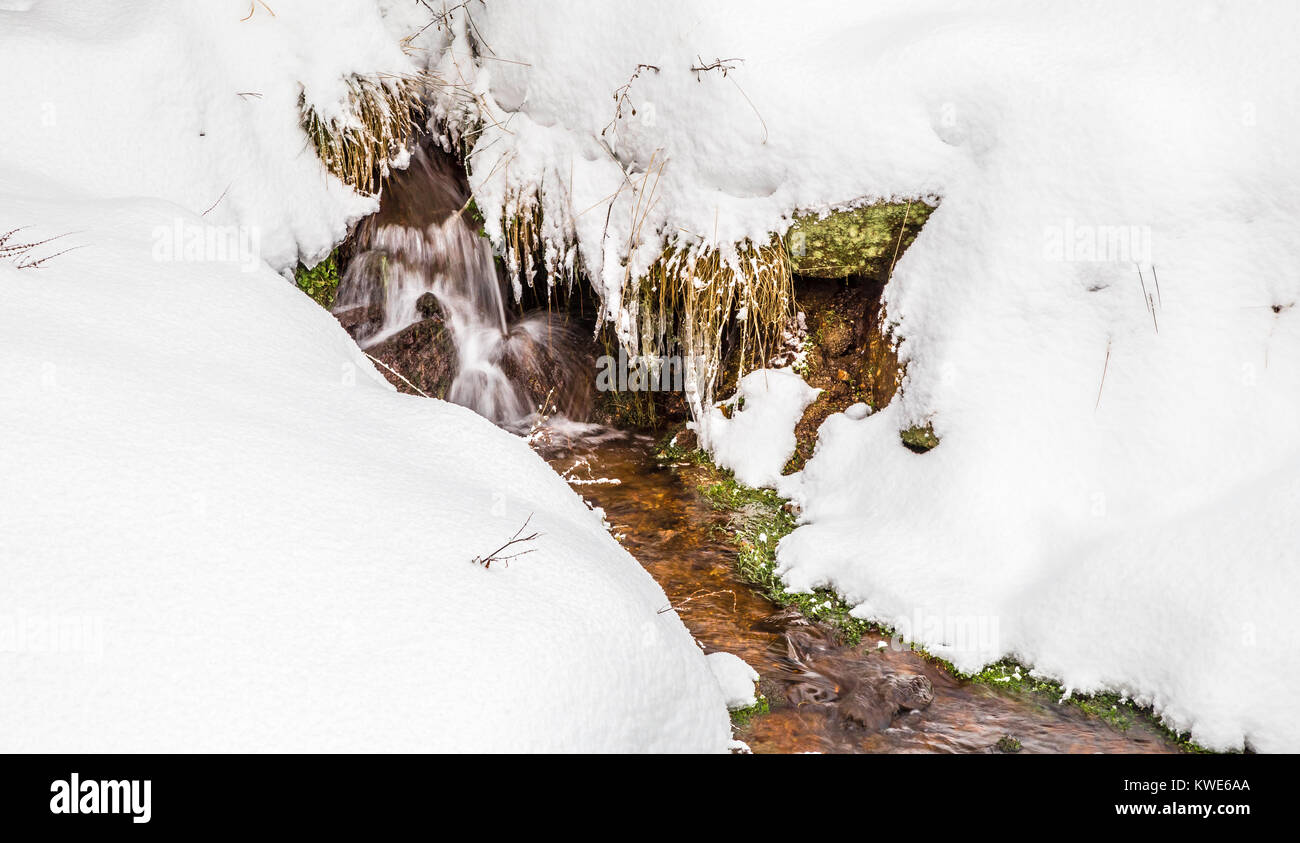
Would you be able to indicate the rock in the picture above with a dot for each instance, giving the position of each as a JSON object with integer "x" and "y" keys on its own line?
{"x": 360, "y": 321}
{"x": 836, "y": 337}
{"x": 687, "y": 440}
{"x": 423, "y": 353}
{"x": 908, "y": 692}
{"x": 427, "y": 306}
{"x": 859, "y": 242}
{"x": 553, "y": 363}
{"x": 919, "y": 438}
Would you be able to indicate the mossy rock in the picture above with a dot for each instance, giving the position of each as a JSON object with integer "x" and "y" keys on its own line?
{"x": 859, "y": 242}
{"x": 919, "y": 438}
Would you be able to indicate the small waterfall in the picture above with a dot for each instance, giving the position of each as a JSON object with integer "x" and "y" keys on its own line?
{"x": 421, "y": 241}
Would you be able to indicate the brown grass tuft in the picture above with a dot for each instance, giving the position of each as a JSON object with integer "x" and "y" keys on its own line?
{"x": 384, "y": 114}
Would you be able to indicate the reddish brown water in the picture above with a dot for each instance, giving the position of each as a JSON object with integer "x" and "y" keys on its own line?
{"x": 824, "y": 696}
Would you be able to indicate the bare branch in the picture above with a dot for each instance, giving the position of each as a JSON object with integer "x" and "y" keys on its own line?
{"x": 724, "y": 65}
{"x": 517, "y": 538}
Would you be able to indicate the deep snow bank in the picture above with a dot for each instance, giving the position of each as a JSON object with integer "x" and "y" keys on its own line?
{"x": 220, "y": 529}
{"x": 1136, "y": 534}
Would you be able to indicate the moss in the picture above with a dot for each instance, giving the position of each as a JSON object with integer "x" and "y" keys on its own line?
{"x": 321, "y": 281}
{"x": 757, "y": 521}
{"x": 861, "y": 242}
{"x": 919, "y": 438}
{"x": 741, "y": 717}
{"x": 666, "y": 451}
{"x": 1012, "y": 676}
{"x": 1007, "y": 743}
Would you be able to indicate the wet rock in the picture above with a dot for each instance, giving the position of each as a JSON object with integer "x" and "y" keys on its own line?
{"x": 424, "y": 354}
{"x": 908, "y": 692}
{"x": 553, "y": 363}
{"x": 360, "y": 321}
{"x": 427, "y": 306}
{"x": 851, "y": 685}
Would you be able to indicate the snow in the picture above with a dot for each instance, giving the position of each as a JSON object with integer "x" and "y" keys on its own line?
{"x": 1113, "y": 498}
{"x": 736, "y": 678}
{"x": 758, "y": 439}
{"x": 220, "y": 528}
{"x": 258, "y": 544}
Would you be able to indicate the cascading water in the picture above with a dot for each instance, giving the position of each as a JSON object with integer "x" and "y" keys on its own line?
{"x": 421, "y": 242}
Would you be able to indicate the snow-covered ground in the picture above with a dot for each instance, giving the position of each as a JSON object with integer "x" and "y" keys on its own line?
{"x": 1098, "y": 320}
{"x": 220, "y": 528}
{"x": 232, "y": 534}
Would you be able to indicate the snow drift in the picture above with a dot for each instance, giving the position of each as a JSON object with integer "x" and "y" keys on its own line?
{"x": 220, "y": 528}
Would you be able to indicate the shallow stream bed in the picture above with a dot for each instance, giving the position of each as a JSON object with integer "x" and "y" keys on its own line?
{"x": 823, "y": 695}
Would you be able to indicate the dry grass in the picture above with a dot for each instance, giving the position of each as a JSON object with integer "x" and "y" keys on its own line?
{"x": 694, "y": 296}
{"x": 691, "y": 297}
{"x": 21, "y": 254}
{"x": 383, "y": 115}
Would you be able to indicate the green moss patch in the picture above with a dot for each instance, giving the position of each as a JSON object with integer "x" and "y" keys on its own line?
{"x": 919, "y": 438}
{"x": 862, "y": 242}
{"x": 321, "y": 281}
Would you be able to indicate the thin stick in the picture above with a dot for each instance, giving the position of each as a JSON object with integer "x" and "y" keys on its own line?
{"x": 486, "y": 561}
{"x": 218, "y": 202}
{"x": 901, "y": 231}
{"x": 397, "y": 373}
{"x": 1105, "y": 367}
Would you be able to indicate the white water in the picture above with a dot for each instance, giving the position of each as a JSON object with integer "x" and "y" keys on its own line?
{"x": 421, "y": 241}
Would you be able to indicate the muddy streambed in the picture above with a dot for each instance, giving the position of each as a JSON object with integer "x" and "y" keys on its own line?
{"x": 823, "y": 695}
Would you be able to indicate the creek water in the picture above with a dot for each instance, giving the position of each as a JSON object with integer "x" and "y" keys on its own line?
{"x": 824, "y": 695}
{"x": 421, "y": 241}
{"x": 819, "y": 690}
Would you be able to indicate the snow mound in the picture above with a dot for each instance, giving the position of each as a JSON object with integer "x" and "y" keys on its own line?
{"x": 758, "y": 438}
{"x": 736, "y": 678}
{"x": 220, "y": 528}
{"x": 223, "y": 531}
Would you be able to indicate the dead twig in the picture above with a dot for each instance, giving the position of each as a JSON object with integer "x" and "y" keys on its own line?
{"x": 20, "y": 254}
{"x": 698, "y": 594}
{"x": 1104, "y": 368}
{"x": 517, "y": 538}
{"x": 397, "y": 374}
{"x": 252, "y": 8}
{"x": 622, "y": 97}
{"x": 724, "y": 65}
{"x": 218, "y": 202}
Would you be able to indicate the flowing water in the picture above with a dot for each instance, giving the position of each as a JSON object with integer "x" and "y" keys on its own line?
{"x": 824, "y": 696}
{"x": 423, "y": 241}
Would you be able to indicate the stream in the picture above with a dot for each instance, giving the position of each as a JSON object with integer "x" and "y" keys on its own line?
{"x": 820, "y": 691}
{"x": 824, "y": 696}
